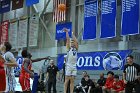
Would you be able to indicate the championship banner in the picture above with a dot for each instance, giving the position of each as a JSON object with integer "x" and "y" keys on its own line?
{"x": 31, "y": 2}
{"x": 113, "y": 60}
{"x": 4, "y": 31}
{"x": 5, "y": 6}
{"x": 90, "y": 19}
{"x": 33, "y": 30}
{"x": 13, "y": 34}
{"x": 16, "y": 4}
{"x": 22, "y": 33}
{"x": 130, "y": 17}
{"x": 60, "y": 34}
{"x": 108, "y": 18}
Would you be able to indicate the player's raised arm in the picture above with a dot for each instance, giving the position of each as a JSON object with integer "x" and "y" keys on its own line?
{"x": 75, "y": 41}
{"x": 67, "y": 38}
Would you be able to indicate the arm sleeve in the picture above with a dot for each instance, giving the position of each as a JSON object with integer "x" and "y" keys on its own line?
{"x": 83, "y": 82}
{"x": 104, "y": 81}
{"x": 122, "y": 86}
{"x": 92, "y": 84}
{"x": 98, "y": 82}
{"x": 120, "y": 89}
{"x": 106, "y": 84}
{"x": 109, "y": 84}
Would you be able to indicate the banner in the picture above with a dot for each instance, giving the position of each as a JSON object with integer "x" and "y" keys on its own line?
{"x": 114, "y": 60}
{"x": 108, "y": 19}
{"x": 90, "y": 19}
{"x": 16, "y": 4}
{"x": 60, "y": 34}
{"x": 130, "y": 17}
{"x": 13, "y": 34}
{"x": 22, "y": 33}
{"x": 4, "y": 31}
{"x": 31, "y": 2}
{"x": 4, "y": 6}
{"x": 33, "y": 30}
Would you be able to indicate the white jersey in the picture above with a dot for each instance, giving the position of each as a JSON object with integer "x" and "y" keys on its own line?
{"x": 9, "y": 70}
{"x": 71, "y": 57}
{"x": 10, "y": 76}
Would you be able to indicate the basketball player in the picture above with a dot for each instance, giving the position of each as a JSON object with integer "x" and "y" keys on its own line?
{"x": 71, "y": 70}
{"x": 9, "y": 64}
{"x": 26, "y": 72}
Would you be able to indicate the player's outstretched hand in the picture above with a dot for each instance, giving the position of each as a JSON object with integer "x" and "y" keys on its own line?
{"x": 48, "y": 57}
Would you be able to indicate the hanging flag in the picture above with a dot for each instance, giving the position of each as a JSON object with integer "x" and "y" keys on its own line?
{"x": 4, "y": 6}
{"x": 60, "y": 34}
{"x": 4, "y": 31}
{"x": 33, "y": 30}
{"x": 108, "y": 19}
{"x": 90, "y": 19}
{"x": 16, "y": 4}
{"x": 130, "y": 17}
{"x": 22, "y": 32}
{"x": 58, "y": 16}
{"x": 31, "y": 2}
{"x": 13, "y": 33}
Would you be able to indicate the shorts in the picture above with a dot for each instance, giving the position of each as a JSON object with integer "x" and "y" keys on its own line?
{"x": 2, "y": 79}
{"x": 25, "y": 83}
{"x": 71, "y": 71}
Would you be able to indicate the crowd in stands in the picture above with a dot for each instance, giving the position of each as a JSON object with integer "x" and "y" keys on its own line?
{"x": 111, "y": 84}
{"x": 129, "y": 83}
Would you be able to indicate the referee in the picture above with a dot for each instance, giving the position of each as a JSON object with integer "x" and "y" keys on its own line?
{"x": 130, "y": 74}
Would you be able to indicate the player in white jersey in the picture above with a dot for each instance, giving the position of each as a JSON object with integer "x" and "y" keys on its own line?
{"x": 10, "y": 63}
{"x": 71, "y": 70}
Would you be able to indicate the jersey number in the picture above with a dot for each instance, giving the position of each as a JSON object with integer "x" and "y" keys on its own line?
{"x": 74, "y": 52}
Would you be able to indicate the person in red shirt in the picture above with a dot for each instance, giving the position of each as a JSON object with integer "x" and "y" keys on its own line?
{"x": 2, "y": 76}
{"x": 109, "y": 82}
{"x": 26, "y": 73}
{"x": 118, "y": 85}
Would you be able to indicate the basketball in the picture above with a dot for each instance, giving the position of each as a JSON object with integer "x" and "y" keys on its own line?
{"x": 62, "y": 7}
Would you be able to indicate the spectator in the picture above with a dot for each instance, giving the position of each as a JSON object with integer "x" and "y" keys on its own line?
{"x": 109, "y": 82}
{"x": 83, "y": 78}
{"x": 100, "y": 83}
{"x": 82, "y": 83}
{"x": 118, "y": 85}
{"x": 52, "y": 72}
{"x": 88, "y": 86}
